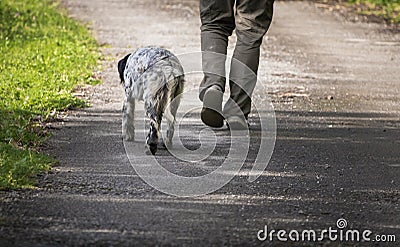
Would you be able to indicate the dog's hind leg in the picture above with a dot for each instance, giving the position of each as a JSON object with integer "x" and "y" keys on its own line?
{"x": 128, "y": 120}
{"x": 155, "y": 106}
{"x": 155, "y": 121}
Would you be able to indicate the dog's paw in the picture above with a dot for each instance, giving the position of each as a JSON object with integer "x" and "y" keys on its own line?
{"x": 151, "y": 149}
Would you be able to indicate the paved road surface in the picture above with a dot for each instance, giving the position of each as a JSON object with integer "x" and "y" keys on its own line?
{"x": 335, "y": 87}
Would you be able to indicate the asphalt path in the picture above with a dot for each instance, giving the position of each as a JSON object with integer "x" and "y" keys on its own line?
{"x": 335, "y": 88}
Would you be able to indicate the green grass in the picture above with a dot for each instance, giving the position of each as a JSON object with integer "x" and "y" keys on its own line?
{"x": 43, "y": 56}
{"x": 387, "y": 9}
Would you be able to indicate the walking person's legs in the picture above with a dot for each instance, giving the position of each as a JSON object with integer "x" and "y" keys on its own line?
{"x": 253, "y": 19}
{"x": 218, "y": 23}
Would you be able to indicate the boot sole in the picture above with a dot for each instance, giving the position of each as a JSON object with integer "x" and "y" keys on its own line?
{"x": 212, "y": 108}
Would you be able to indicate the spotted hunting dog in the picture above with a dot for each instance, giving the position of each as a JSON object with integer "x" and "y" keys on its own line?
{"x": 155, "y": 76}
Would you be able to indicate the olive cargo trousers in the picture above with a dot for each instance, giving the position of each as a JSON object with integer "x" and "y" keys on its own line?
{"x": 251, "y": 19}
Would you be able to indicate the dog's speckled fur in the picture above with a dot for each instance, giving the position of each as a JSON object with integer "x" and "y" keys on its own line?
{"x": 156, "y": 76}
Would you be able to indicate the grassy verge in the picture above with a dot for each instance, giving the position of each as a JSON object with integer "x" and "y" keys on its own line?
{"x": 43, "y": 56}
{"x": 374, "y": 10}
{"x": 386, "y": 9}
